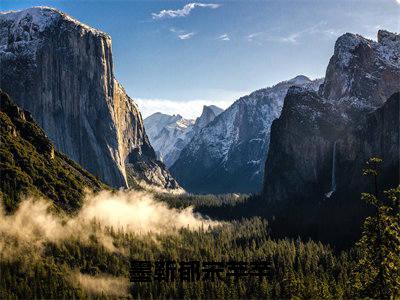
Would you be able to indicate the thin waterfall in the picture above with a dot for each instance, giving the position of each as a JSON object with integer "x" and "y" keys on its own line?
{"x": 333, "y": 180}
{"x": 333, "y": 175}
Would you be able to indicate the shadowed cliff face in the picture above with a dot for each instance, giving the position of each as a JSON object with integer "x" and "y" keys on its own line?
{"x": 321, "y": 142}
{"x": 360, "y": 77}
{"x": 228, "y": 155}
{"x": 67, "y": 68}
{"x": 29, "y": 165}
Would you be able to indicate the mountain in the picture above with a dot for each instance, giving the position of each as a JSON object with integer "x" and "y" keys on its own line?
{"x": 170, "y": 134}
{"x": 29, "y": 164}
{"x": 321, "y": 141}
{"x": 229, "y": 154}
{"x": 62, "y": 72}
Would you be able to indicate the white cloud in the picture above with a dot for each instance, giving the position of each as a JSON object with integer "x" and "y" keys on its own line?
{"x": 294, "y": 38}
{"x": 188, "y": 109}
{"x": 182, "y": 34}
{"x": 183, "y": 12}
{"x": 224, "y": 37}
{"x": 398, "y": 1}
{"x": 186, "y": 36}
{"x": 251, "y": 36}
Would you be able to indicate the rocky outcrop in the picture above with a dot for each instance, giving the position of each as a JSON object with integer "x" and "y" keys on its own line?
{"x": 321, "y": 142}
{"x": 360, "y": 77}
{"x": 170, "y": 134}
{"x": 29, "y": 164}
{"x": 209, "y": 113}
{"x": 363, "y": 74}
{"x": 229, "y": 154}
{"x": 377, "y": 136}
{"x": 62, "y": 71}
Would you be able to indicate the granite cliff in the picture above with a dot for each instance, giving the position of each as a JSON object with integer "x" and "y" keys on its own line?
{"x": 62, "y": 72}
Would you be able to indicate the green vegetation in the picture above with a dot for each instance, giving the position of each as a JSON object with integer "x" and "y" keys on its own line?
{"x": 296, "y": 268}
{"x": 378, "y": 270}
{"x": 29, "y": 163}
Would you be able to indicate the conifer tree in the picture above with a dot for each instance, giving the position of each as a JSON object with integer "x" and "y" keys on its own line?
{"x": 377, "y": 273}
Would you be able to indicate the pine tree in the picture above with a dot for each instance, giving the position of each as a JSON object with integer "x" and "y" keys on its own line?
{"x": 377, "y": 273}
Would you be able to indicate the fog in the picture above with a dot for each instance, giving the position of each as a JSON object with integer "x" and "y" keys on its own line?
{"x": 24, "y": 234}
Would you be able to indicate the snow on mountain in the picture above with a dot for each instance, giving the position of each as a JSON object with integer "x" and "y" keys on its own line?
{"x": 62, "y": 72}
{"x": 170, "y": 134}
{"x": 229, "y": 154}
{"x": 353, "y": 77}
{"x": 321, "y": 142}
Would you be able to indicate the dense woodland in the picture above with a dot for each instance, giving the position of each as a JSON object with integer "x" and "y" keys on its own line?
{"x": 296, "y": 266}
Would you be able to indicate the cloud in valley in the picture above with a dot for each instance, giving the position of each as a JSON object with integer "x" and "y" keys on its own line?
{"x": 33, "y": 224}
{"x": 102, "y": 284}
{"x": 183, "y": 12}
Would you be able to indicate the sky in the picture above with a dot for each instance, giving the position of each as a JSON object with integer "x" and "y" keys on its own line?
{"x": 176, "y": 56}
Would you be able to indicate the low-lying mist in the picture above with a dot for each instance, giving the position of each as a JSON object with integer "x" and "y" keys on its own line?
{"x": 25, "y": 233}
{"x": 130, "y": 211}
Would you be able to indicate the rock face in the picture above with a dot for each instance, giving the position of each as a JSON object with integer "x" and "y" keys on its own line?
{"x": 29, "y": 164}
{"x": 321, "y": 142}
{"x": 229, "y": 154}
{"x": 62, "y": 71}
{"x": 170, "y": 134}
{"x": 361, "y": 76}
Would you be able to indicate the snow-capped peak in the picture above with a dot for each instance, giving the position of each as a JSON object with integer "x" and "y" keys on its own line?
{"x": 208, "y": 115}
{"x": 38, "y": 18}
{"x": 388, "y": 47}
{"x": 170, "y": 134}
{"x": 300, "y": 79}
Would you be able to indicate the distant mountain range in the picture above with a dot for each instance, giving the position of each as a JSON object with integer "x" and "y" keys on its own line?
{"x": 170, "y": 134}
{"x": 300, "y": 140}
{"x": 62, "y": 72}
{"x": 228, "y": 155}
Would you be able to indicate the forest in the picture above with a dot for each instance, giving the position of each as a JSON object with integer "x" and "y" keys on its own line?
{"x": 294, "y": 268}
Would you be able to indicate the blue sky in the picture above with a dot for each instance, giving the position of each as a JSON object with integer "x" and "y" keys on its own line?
{"x": 173, "y": 56}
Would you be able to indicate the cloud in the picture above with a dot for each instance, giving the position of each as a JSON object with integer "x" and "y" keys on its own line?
{"x": 292, "y": 38}
{"x": 189, "y": 109}
{"x": 33, "y": 225}
{"x": 398, "y": 1}
{"x": 251, "y": 36}
{"x": 186, "y": 36}
{"x": 224, "y": 37}
{"x": 101, "y": 285}
{"x": 183, "y": 12}
{"x": 182, "y": 34}
{"x": 295, "y": 37}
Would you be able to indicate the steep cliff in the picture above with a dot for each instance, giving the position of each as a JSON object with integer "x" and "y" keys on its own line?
{"x": 321, "y": 142}
{"x": 229, "y": 154}
{"x": 66, "y": 67}
{"x": 361, "y": 75}
{"x": 29, "y": 164}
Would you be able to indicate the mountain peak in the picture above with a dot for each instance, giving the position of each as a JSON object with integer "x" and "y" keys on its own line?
{"x": 215, "y": 109}
{"x": 385, "y": 37}
{"x": 209, "y": 113}
{"x": 299, "y": 79}
{"x": 38, "y": 18}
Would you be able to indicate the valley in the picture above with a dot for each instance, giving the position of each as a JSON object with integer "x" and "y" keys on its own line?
{"x": 290, "y": 192}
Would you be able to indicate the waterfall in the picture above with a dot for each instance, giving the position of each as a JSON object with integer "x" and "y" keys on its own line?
{"x": 333, "y": 180}
{"x": 333, "y": 175}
